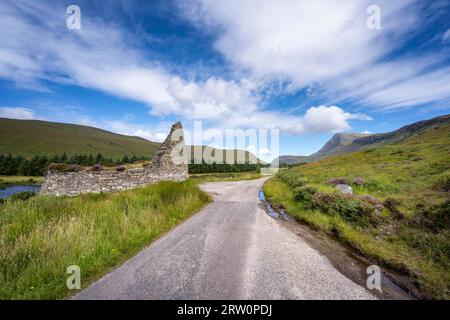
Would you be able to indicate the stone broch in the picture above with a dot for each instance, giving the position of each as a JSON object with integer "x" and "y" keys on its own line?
{"x": 163, "y": 167}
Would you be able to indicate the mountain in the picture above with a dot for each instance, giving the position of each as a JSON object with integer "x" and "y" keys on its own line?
{"x": 343, "y": 143}
{"x": 237, "y": 154}
{"x": 336, "y": 145}
{"x": 32, "y": 137}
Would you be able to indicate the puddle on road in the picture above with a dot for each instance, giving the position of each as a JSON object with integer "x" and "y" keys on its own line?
{"x": 276, "y": 214}
{"x": 349, "y": 263}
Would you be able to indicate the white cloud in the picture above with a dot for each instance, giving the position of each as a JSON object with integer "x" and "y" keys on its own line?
{"x": 98, "y": 56}
{"x": 446, "y": 35}
{"x": 329, "y": 119}
{"x": 305, "y": 41}
{"x": 366, "y": 132}
{"x": 157, "y": 134}
{"x": 17, "y": 113}
{"x": 262, "y": 153}
{"x": 214, "y": 99}
{"x": 267, "y": 39}
{"x": 101, "y": 56}
{"x": 326, "y": 42}
{"x": 316, "y": 119}
{"x": 414, "y": 82}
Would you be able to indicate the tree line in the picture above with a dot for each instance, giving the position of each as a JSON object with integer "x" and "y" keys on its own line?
{"x": 222, "y": 167}
{"x": 37, "y": 165}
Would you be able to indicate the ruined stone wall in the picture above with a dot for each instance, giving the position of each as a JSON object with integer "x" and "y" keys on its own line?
{"x": 162, "y": 168}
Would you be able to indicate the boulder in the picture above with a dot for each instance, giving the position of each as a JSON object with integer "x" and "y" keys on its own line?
{"x": 344, "y": 188}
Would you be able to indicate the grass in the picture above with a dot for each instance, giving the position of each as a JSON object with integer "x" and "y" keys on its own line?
{"x": 41, "y": 237}
{"x": 19, "y": 180}
{"x": 227, "y": 176}
{"x": 412, "y": 232}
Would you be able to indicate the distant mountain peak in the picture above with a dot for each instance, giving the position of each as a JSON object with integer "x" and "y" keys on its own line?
{"x": 339, "y": 140}
{"x": 342, "y": 143}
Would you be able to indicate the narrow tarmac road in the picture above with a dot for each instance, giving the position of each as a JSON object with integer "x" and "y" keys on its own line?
{"x": 231, "y": 249}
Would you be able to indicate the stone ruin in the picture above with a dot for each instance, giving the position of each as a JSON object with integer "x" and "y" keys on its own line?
{"x": 168, "y": 164}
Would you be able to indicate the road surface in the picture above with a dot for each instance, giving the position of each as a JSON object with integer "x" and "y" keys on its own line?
{"x": 231, "y": 249}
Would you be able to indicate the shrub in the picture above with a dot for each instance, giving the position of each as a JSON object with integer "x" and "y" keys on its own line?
{"x": 370, "y": 199}
{"x": 304, "y": 194}
{"x": 297, "y": 182}
{"x": 349, "y": 207}
{"x": 336, "y": 181}
{"x": 22, "y": 196}
{"x": 63, "y": 167}
{"x": 97, "y": 168}
{"x": 358, "y": 181}
{"x": 293, "y": 181}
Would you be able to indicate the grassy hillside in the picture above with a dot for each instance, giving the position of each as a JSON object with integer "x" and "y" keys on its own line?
{"x": 42, "y": 236}
{"x": 399, "y": 215}
{"x": 30, "y": 137}
{"x": 336, "y": 145}
{"x": 343, "y": 143}
{"x": 237, "y": 155}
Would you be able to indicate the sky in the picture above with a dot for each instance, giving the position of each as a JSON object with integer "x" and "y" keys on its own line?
{"x": 308, "y": 68}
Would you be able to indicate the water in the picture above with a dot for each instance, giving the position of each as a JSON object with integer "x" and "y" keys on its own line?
{"x": 280, "y": 214}
{"x": 9, "y": 191}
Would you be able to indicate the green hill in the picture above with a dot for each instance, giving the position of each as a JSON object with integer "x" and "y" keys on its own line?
{"x": 31, "y": 137}
{"x": 238, "y": 155}
{"x": 342, "y": 143}
{"x": 399, "y": 214}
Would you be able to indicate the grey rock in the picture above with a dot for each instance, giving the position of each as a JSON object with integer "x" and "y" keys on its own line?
{"x": 344, "y": 188}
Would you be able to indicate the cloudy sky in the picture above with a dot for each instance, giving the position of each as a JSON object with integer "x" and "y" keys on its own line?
{"x": 309, "y": 68}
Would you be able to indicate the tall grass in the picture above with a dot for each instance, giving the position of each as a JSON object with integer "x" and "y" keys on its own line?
{"x": 41, "y": 237}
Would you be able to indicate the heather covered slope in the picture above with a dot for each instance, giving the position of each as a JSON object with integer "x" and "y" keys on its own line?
{"x": 399, "y": 215}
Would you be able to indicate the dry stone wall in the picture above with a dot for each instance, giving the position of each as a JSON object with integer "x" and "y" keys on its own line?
{"x": 163, "y": 167}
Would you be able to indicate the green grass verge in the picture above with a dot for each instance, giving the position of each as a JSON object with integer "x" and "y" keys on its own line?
{"x": 411, "y": 183}
{"x": 226, "y": 176}
{"x": 396, "y": 252}
{"x": 41, "y": 237}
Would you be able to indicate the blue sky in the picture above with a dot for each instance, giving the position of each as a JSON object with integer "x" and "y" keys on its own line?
{"x": 308, "y": 68}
